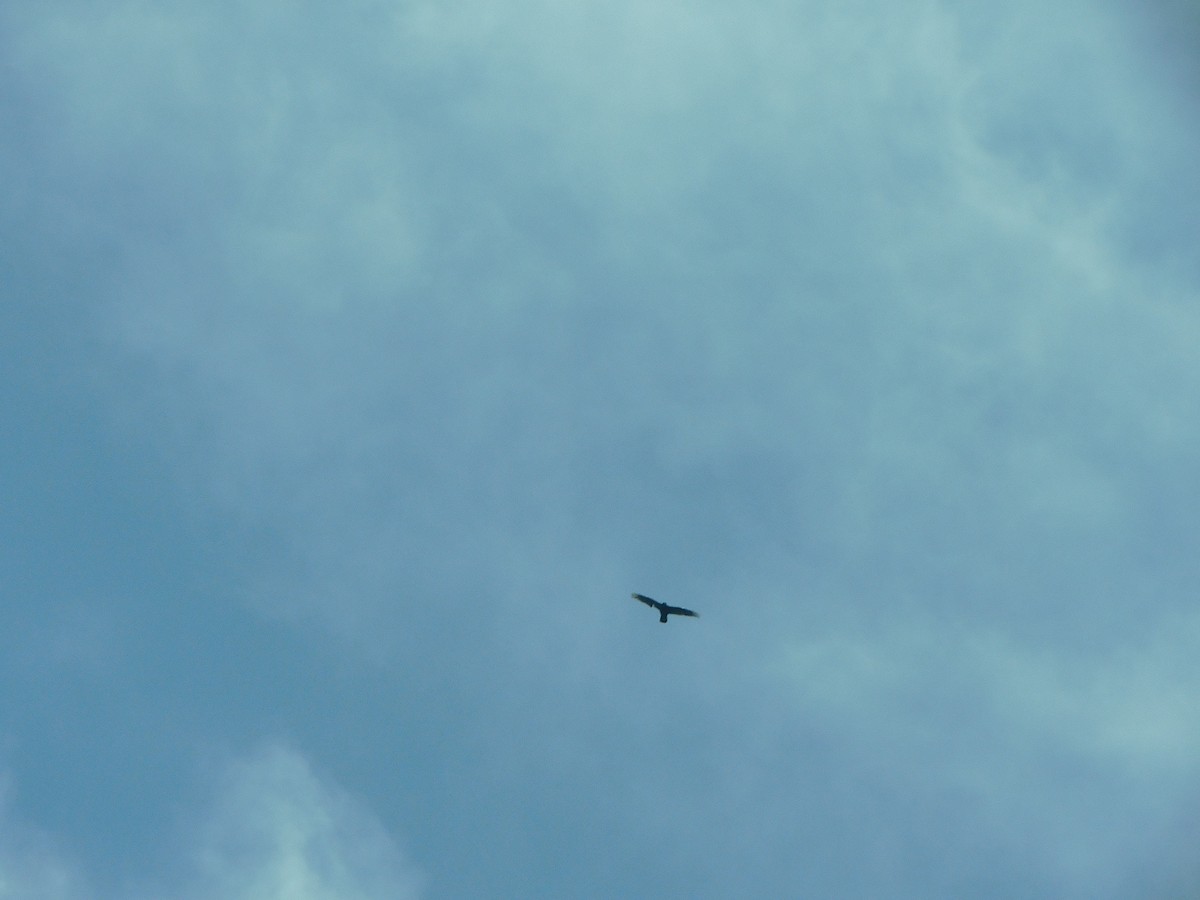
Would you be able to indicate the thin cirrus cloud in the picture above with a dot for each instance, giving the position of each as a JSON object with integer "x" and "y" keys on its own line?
{"x": 277, "y": 830}
{"x": 271, "y": 829}
{"x": 30, "y": 863}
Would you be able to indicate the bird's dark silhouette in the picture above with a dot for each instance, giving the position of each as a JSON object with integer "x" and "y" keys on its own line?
{"x": 664, "y": 610}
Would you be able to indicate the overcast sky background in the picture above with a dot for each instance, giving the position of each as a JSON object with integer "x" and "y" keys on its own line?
{"x": 359, "y": 360}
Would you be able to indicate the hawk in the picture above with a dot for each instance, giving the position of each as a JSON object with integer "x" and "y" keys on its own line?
{"x": 664, "y": 610}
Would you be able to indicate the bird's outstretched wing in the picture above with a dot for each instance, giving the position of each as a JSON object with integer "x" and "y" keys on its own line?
{"x": 664, "y": 608}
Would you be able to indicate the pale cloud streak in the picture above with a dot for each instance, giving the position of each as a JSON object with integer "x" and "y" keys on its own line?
{"x": 1070, "y": 761}
{"x": 32, "y": 867}
{"x": 271, "y": 830}
{"x": 276, "y": 831}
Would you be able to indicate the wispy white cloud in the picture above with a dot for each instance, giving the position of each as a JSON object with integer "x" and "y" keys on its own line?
{"x": 32, "y": 867}
{"x": 271, "y": 830}
{"x": 277, "y": 831}
{"x": 1076, "y": 759}
{"x": 1127, "y": 706}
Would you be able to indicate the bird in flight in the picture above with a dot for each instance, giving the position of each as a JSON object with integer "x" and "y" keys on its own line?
{"x": 664, "y": 610}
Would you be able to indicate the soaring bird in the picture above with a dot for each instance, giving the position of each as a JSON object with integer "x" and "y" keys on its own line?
{"x": 664, "y": 610}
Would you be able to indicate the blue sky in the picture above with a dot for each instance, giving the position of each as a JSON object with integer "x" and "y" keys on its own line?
{"x": 359, "y": 362}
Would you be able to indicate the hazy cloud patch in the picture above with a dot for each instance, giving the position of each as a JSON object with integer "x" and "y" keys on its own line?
{"x": 1010, "y": 725}
{"x": 32, "y": 867}
{"x": 276, "y": 830}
